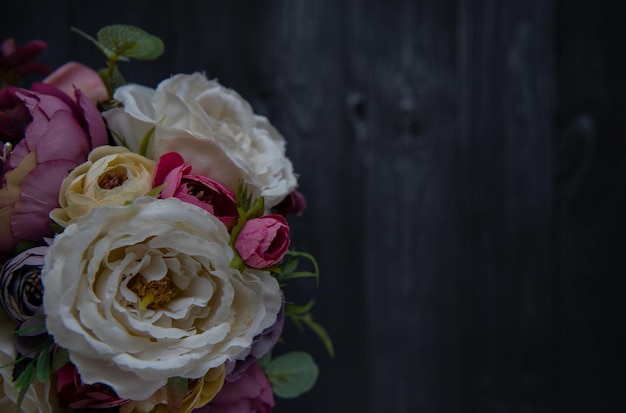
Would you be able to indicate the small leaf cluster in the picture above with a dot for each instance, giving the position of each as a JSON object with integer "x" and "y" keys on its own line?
{"x": 39, "y": 364}
{"x": 120, "y": 43}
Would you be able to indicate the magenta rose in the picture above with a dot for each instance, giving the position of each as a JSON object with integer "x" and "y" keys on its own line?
{"x": 59, "y": 136}
{"x": 206, "y": 193}
{"x": 252, "y": 393}
{"x": 74, "y": 394}
{"x": 263, "y": 241}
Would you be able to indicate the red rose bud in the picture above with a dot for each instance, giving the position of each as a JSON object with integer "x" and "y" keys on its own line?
{"x": 263, "y": 241}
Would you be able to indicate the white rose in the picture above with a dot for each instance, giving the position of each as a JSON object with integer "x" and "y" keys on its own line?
{"x": 38, "y": 395}
{"x": 212, "y": 127}
{"x": 144, "y": 292}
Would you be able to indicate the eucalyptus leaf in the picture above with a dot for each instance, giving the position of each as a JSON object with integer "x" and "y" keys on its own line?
{"x": 59, "y": 359}
{"x": 130, "y": 41}
{"x": 292, "y": 374}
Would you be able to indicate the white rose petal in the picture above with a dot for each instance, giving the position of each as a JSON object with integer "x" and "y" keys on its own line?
{"x": 212, "y": 127}
{"x": 94, "y": 307}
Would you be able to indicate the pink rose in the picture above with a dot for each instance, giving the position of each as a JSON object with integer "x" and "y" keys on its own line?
{"x": 263, "y": 241}
{"x": 206, "y": 193}
{"x": 252, "y": 393}
{"x": 75, "y": 75}
{"x": 58, "y": 138}
{"x": 74, "y": 394}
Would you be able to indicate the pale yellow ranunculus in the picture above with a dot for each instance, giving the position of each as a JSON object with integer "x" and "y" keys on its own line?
{"x": 203, "y": 391}
{"x": 112, "y": 175}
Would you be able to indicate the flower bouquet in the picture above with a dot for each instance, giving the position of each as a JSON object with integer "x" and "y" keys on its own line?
{"x": 144, "y": 241}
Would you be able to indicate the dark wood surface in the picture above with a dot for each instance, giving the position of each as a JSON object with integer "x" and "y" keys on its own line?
{"x": 465, "y": 168}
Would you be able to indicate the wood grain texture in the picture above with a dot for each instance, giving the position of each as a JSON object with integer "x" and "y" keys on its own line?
{"x": 463, "y": 163}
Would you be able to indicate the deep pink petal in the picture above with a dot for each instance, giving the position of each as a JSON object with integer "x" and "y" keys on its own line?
{"x": 95, "y": 123}
{"x": 40, "y": 192}
{"x": 164, "y": 165}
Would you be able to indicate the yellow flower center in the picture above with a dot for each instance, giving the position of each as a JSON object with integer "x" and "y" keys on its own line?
{"x": 113, "y": 178}
{"x": 153, "y": 294}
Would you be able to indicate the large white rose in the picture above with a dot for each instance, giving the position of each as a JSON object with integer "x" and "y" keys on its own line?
{"x": 38, "y": 396}
{"x": 144, "y": 292}
{"x": 212, "y": 127}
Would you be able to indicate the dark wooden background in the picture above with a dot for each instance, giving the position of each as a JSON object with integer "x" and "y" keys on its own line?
{"x": 465, "y": 167}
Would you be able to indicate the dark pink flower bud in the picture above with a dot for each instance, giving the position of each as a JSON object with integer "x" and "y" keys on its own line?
{"x": 263, "y": 241}
{"x": 293, "y": 204}
{"x": 203, "y": 192}
{"x": 74, "y": 394}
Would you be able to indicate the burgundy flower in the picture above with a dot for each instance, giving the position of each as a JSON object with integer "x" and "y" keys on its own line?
{"x": 18, "y": 62}
{"x": 74, "y": 394}
{"x": 206, "y": 193}
{"x": 263, "y": 241}
{"x": 293, "y": 204}
{"x": 252, "y": 393}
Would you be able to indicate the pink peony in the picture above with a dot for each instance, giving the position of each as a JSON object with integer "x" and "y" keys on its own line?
{"x": 252, "y": 393}
{"x": 74, "y": 394}
{"x": 58, "y": 138}
{"x": 75, "y": 75}
{"x": 206, "y": 193}
{"x": 263, "y": 241}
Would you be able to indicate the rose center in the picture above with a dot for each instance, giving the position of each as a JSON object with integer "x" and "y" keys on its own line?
{"x": 112, "y": 178}
{"x": 33, "y": 289}
{"x": 153, "y": 294}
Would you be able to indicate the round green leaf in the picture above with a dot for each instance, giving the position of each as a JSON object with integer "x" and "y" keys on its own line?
{"x": 292, "y": 374}
{"x": 130, "y": 41}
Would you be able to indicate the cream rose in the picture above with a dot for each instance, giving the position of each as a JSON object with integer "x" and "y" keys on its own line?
{"x": 144, "y": 292}
{"x": 38, "y": 396}
{"x": 112, "y": 175}
{"x": 212, "y": 127}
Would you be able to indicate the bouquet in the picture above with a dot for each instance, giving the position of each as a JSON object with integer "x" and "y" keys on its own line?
{"x": 144, "y": 241}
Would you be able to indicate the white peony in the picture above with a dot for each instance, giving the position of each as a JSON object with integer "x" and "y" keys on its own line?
{"x": 212, "y": 127}
{"x": 144, "y": 292}
{"x": 38, "y": 395}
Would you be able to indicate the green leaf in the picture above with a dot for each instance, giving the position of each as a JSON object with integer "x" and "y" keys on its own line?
{"x": 145, "y": 141}
{"x": 301, "y": 274}
{"x": 42, "y": 367}
{"x": 156, "y": 191}
{"x": 24, "y": 245}
{"x": 264, "y": 361}
{"x": 59, "y": 359}
{"x": 176, "y": 390}
{"x": 30, "y": 330}
{"x": 257, "y": 208}
{"x": 130, "y": 41}
{"x": 237, "y": 263}
{"x": 299, "y": 309}
{"x": 321, "y": 333}
{"x": 292, "y": 374}
{"x": 107, "y": 52}
{"x": 26, "y": 377}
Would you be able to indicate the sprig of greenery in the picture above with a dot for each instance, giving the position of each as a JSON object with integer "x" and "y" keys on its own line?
{"x": 120, "y": 43}
{"x": 247, "y": 208}
{"x": 290, "y": 374}
{"x": 38, "y": 364}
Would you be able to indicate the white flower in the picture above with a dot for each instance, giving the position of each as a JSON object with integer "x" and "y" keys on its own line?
{"x": 38, "y": 395}
{"x": 212, "y": 127}
{"x": 144, "y": 292}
